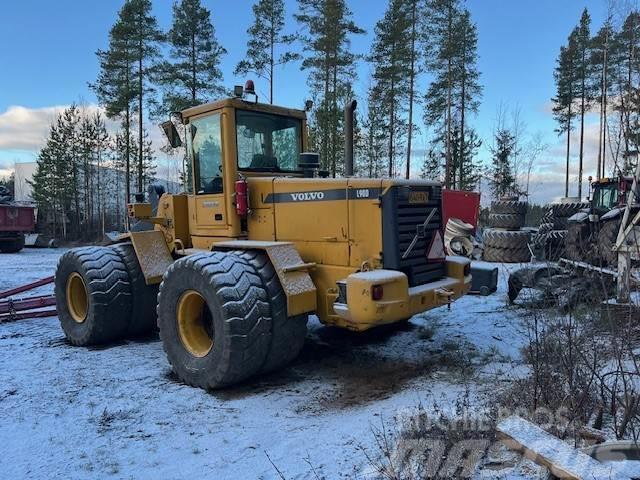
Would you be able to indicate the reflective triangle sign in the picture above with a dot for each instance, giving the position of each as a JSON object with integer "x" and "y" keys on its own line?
{"x": 435, "y": 252}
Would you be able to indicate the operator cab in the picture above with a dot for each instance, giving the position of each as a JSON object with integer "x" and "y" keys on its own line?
{"x": 609, "y": 193}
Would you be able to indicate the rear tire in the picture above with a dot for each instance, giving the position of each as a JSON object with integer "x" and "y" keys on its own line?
{"x": 577, "y": 242}
{"x": 233, "y": 312}
{"x": 93, "y": 295}
{"x": 287, "y": 333}
{"x": 143, "y": 317}
{"x": 607, "y": 237}
{"x": 12, "y": 246}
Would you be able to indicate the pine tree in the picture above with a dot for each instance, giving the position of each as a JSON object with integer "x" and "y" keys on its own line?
{"x": 326, "y": 30}
{"x": 502, "y": 180}
{"x": 193, "y": 74}
{"x": 115, "y": 87}
{"x": 563, "y": 111}
{"x": 627, "y": 57}
{"x": 602, "y": 71}
{"x": 440, "y": 62}
{"x": 583, "y": 72}
{"x": 371, "y": 163}
{"x": 56, "y": 182}
{"x": 265, "y": 41}
{"x": 433, "y": 165}
{"x": 391, "y": 58}
{"x": 414, "y": 71}
{"x": 469, "y": 94}
{"x": 455, "y": 92}
{"x": 143, "y": 31}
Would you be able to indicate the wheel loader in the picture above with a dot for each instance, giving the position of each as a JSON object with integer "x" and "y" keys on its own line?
{"x": 260, "y": 240}
{"x": 592, "y": 232}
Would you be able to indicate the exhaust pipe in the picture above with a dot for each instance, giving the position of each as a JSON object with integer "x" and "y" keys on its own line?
{"x": 349, "y": 110}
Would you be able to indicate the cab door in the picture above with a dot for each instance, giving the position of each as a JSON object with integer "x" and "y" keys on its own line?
{"x": 205, "y": 135}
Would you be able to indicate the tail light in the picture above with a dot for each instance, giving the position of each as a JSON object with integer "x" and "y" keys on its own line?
{"x": 467, "y": 269}
{"x": 377, "y": 292}
{"x": 242, "y": 198}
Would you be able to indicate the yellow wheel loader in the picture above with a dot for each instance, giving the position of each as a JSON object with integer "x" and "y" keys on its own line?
{"x": 260, "y": 240}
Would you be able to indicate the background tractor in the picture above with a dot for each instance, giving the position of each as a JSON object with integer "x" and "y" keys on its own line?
{"x": 592, "y": 232}
{"x": 234, "y": 266}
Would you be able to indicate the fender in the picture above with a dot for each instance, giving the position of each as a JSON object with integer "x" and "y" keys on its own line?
{"x": 613, "y": 213}
{"x": 579, "y": 217}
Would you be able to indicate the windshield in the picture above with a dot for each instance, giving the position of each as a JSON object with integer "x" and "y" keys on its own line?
{"x": 268, "y": 142}
{"x": 606, "y": 197}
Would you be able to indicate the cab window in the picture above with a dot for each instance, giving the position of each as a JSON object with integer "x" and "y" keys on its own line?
{"x": 606, "y": 196}
{"x": 267, "y": 142}
{"x": 205, "y": 147}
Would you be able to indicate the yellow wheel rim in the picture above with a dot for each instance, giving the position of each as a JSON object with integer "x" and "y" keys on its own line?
{"x": 194, "y": 324}
{"x": 77, "y": 298}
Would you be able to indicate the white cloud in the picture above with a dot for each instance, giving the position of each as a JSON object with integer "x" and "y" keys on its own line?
{"x": 24, "y": 128}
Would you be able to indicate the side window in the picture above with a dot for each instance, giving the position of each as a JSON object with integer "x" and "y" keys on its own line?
{"x": 206, "y": 148}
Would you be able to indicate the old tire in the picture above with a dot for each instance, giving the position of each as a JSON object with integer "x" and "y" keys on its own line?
{"x": 93, "y": 295}
{"x": 213, "y": 317}
{"x": 506, "y": 220}
{"x": 607, "y": 237}
{"x": 509, "y": 206}
{"x": 287, "y": 333}
{"x": 12, "y": 246}
{"x": 554, "y": 244}
{"x": 505, "y": 238}
{"x": 577, "y": 246}
{"x": 506, "y": 255}
{"x": 143, "y": 316}
{"x": 567, "y": 209}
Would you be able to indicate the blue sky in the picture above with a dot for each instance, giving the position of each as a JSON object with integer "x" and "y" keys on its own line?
{"x": 48, "y": 49}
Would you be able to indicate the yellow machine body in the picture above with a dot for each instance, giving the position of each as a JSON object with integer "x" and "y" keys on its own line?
{"x": 331, "y": 240}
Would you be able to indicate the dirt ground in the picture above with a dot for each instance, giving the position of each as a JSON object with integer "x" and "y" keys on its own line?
{"x": 119, "y": 412}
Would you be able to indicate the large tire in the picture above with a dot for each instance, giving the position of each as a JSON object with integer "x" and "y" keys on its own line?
{"x": 213, "y": 316}
{"x": 554, "y": 244}
{"x": 287, "y": 333}
{"x": 568, "y": 209}
{"x": 509, "y": 206}
{"x": 505, "y": 238}
{"x": 12, "y": 246}
{"x": 143, "y": 316}
{"x": 506, "y": 220}
{"x": 577, "y": 242}
{"x": 506, "y": 255}
{"x": 93, "y": 295}
{"x": 607, "y": 237}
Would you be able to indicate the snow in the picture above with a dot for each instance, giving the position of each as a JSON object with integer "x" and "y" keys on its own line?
{"x": 118, "y": 412}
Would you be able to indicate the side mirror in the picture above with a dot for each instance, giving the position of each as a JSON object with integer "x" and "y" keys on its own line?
{"x": 171, "y": 132}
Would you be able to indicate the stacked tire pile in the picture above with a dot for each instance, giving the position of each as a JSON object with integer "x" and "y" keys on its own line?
{"x": 505, "y": 241}
{"x": 552, "y": 232}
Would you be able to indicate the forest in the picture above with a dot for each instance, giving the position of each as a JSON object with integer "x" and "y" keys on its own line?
{"x": 424, "y": 79}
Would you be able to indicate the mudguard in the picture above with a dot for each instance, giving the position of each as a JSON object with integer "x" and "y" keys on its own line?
{"x": 613, "y": 213}
{"x": 581, "y": 217}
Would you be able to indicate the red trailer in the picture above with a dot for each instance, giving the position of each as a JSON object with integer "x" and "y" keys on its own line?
{"x": 15, "y": 221}
{"x": 464, "y": 206}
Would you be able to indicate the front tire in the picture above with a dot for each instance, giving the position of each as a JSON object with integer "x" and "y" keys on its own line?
{"x": 93, "y": 295}
{"x": 287, "y": 333}
{"x": 213, "y": 316}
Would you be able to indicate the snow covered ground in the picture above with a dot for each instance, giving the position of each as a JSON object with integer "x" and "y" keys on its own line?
{"x": 118, "y": 412}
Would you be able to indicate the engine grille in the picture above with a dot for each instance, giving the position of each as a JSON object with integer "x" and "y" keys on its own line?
{"x": 404, "y": 211}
